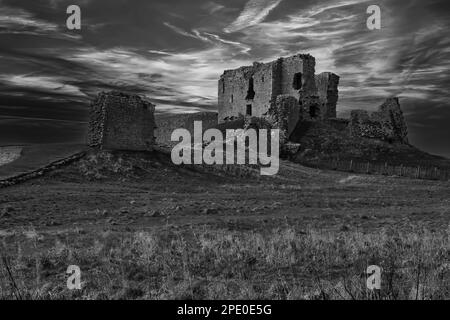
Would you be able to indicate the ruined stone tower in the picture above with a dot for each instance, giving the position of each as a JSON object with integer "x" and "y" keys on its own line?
{"x": 327, "y": 89}
{"x": 249, "y": 91}
{"x": 121, "y": 121}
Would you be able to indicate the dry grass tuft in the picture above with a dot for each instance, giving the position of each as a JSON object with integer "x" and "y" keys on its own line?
{"x": 202, "y": 263}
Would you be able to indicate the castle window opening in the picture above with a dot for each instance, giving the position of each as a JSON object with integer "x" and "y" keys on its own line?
{"x": 313, "y": 111}
{"x": 297, "y": 83}
{"x": 249, "y": 110}
{"x": 250, "y": 91}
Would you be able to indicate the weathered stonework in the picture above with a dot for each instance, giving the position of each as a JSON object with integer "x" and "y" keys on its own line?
{"x": 284, "y": 115}
{"x": 166, "y": 125}
{"x": 250, "y": 91}
{"x": 387, "y": 124}
{"x": 327, "y": 89}
{"x": 121, "y": 121}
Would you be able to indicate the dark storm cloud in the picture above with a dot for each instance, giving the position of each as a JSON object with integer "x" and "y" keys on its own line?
{"x": 174, "y": 51}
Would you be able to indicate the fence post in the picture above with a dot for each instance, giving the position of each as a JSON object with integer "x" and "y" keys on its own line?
{"x": 418, "y": 172}
{"x": 401, "y": 170}
{"x": 351, "y": 165}
{"x": 368, "y": 168}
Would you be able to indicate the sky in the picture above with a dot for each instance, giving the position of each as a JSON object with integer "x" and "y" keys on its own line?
{"x": 175, "y": 51}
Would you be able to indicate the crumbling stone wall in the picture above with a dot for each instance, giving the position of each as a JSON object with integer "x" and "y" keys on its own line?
{"x": 166, "y": 125}
{"x": 243, "y": 87}
{"x": 297, "y": 80}
{"x": 297, "y": 74}
{"x": 327, "y": 89}
{"x": 284, "y": 114}
{"x": 250, "y": 91}
{"x": 387, "y": 124}
{"x": 121, "y": 121}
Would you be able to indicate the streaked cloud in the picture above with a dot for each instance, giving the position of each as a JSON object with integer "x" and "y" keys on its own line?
{"x": 41, "y": 83}
{"x": 175, "y": 54}
{"x": 254, "y": 12}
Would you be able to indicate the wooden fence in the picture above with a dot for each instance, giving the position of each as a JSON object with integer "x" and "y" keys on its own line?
{"x": 416, "y": 172}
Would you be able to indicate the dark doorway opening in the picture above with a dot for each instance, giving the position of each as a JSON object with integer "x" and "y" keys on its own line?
{"x": 250, "y": 91}
{"x": 313, "y": 111}
{"x": 297, "y": 83}
{"x": 248, "y": 110}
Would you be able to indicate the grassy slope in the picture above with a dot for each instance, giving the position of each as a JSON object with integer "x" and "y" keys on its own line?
{"x": 140, "y": 227}
{"x": 36, "y": 156}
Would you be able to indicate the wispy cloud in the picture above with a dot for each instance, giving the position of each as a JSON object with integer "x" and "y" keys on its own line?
{"x": 254, "y": 12}
{"x": 20, "y": 21}
{"x": 16, "y": 20}
{"x": 175, "y": 54}
{"x": 41, "y": 83}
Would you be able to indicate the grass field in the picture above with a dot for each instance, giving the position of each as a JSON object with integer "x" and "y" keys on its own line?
{"x": 32, "y": 157}
{"x": 141, "y": 228}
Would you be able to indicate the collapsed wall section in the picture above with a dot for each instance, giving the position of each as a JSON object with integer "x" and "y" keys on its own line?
{"x": 284, "y": 114}
{"x": 387, "y": 124}
{"x": 166, "y": 125}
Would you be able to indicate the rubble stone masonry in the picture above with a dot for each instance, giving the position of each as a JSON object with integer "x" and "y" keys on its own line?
{"x": 121, "y": 121}
{"x": 327, "y": 89}
{"x": 386, "y": 124}
{"x": 250, "y": 91}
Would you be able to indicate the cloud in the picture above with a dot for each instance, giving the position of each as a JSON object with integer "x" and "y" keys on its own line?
{"x": 189, "y": 76}
{"x": 19, "y": 20}
{"x": 41, "y": 83}
{"x": 175, "y": 54}
{"x": 22, "y": 22}
{"x": 254, "y": 12}
{"x": 212, "y": 7}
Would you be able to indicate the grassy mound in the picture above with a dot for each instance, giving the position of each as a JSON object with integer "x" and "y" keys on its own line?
{"x": 329, "y": 140}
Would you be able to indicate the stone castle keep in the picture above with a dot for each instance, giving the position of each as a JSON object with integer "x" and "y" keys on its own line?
{"x": 282, "y": 94}
{"x": 250, "y": 91}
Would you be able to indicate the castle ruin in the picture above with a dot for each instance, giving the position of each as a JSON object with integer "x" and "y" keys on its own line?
{"x": 251, "y": 91}
{"x": 282, "y": 94}
{"x": 387, "y": 124}
{"x": 121, "y": 121}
